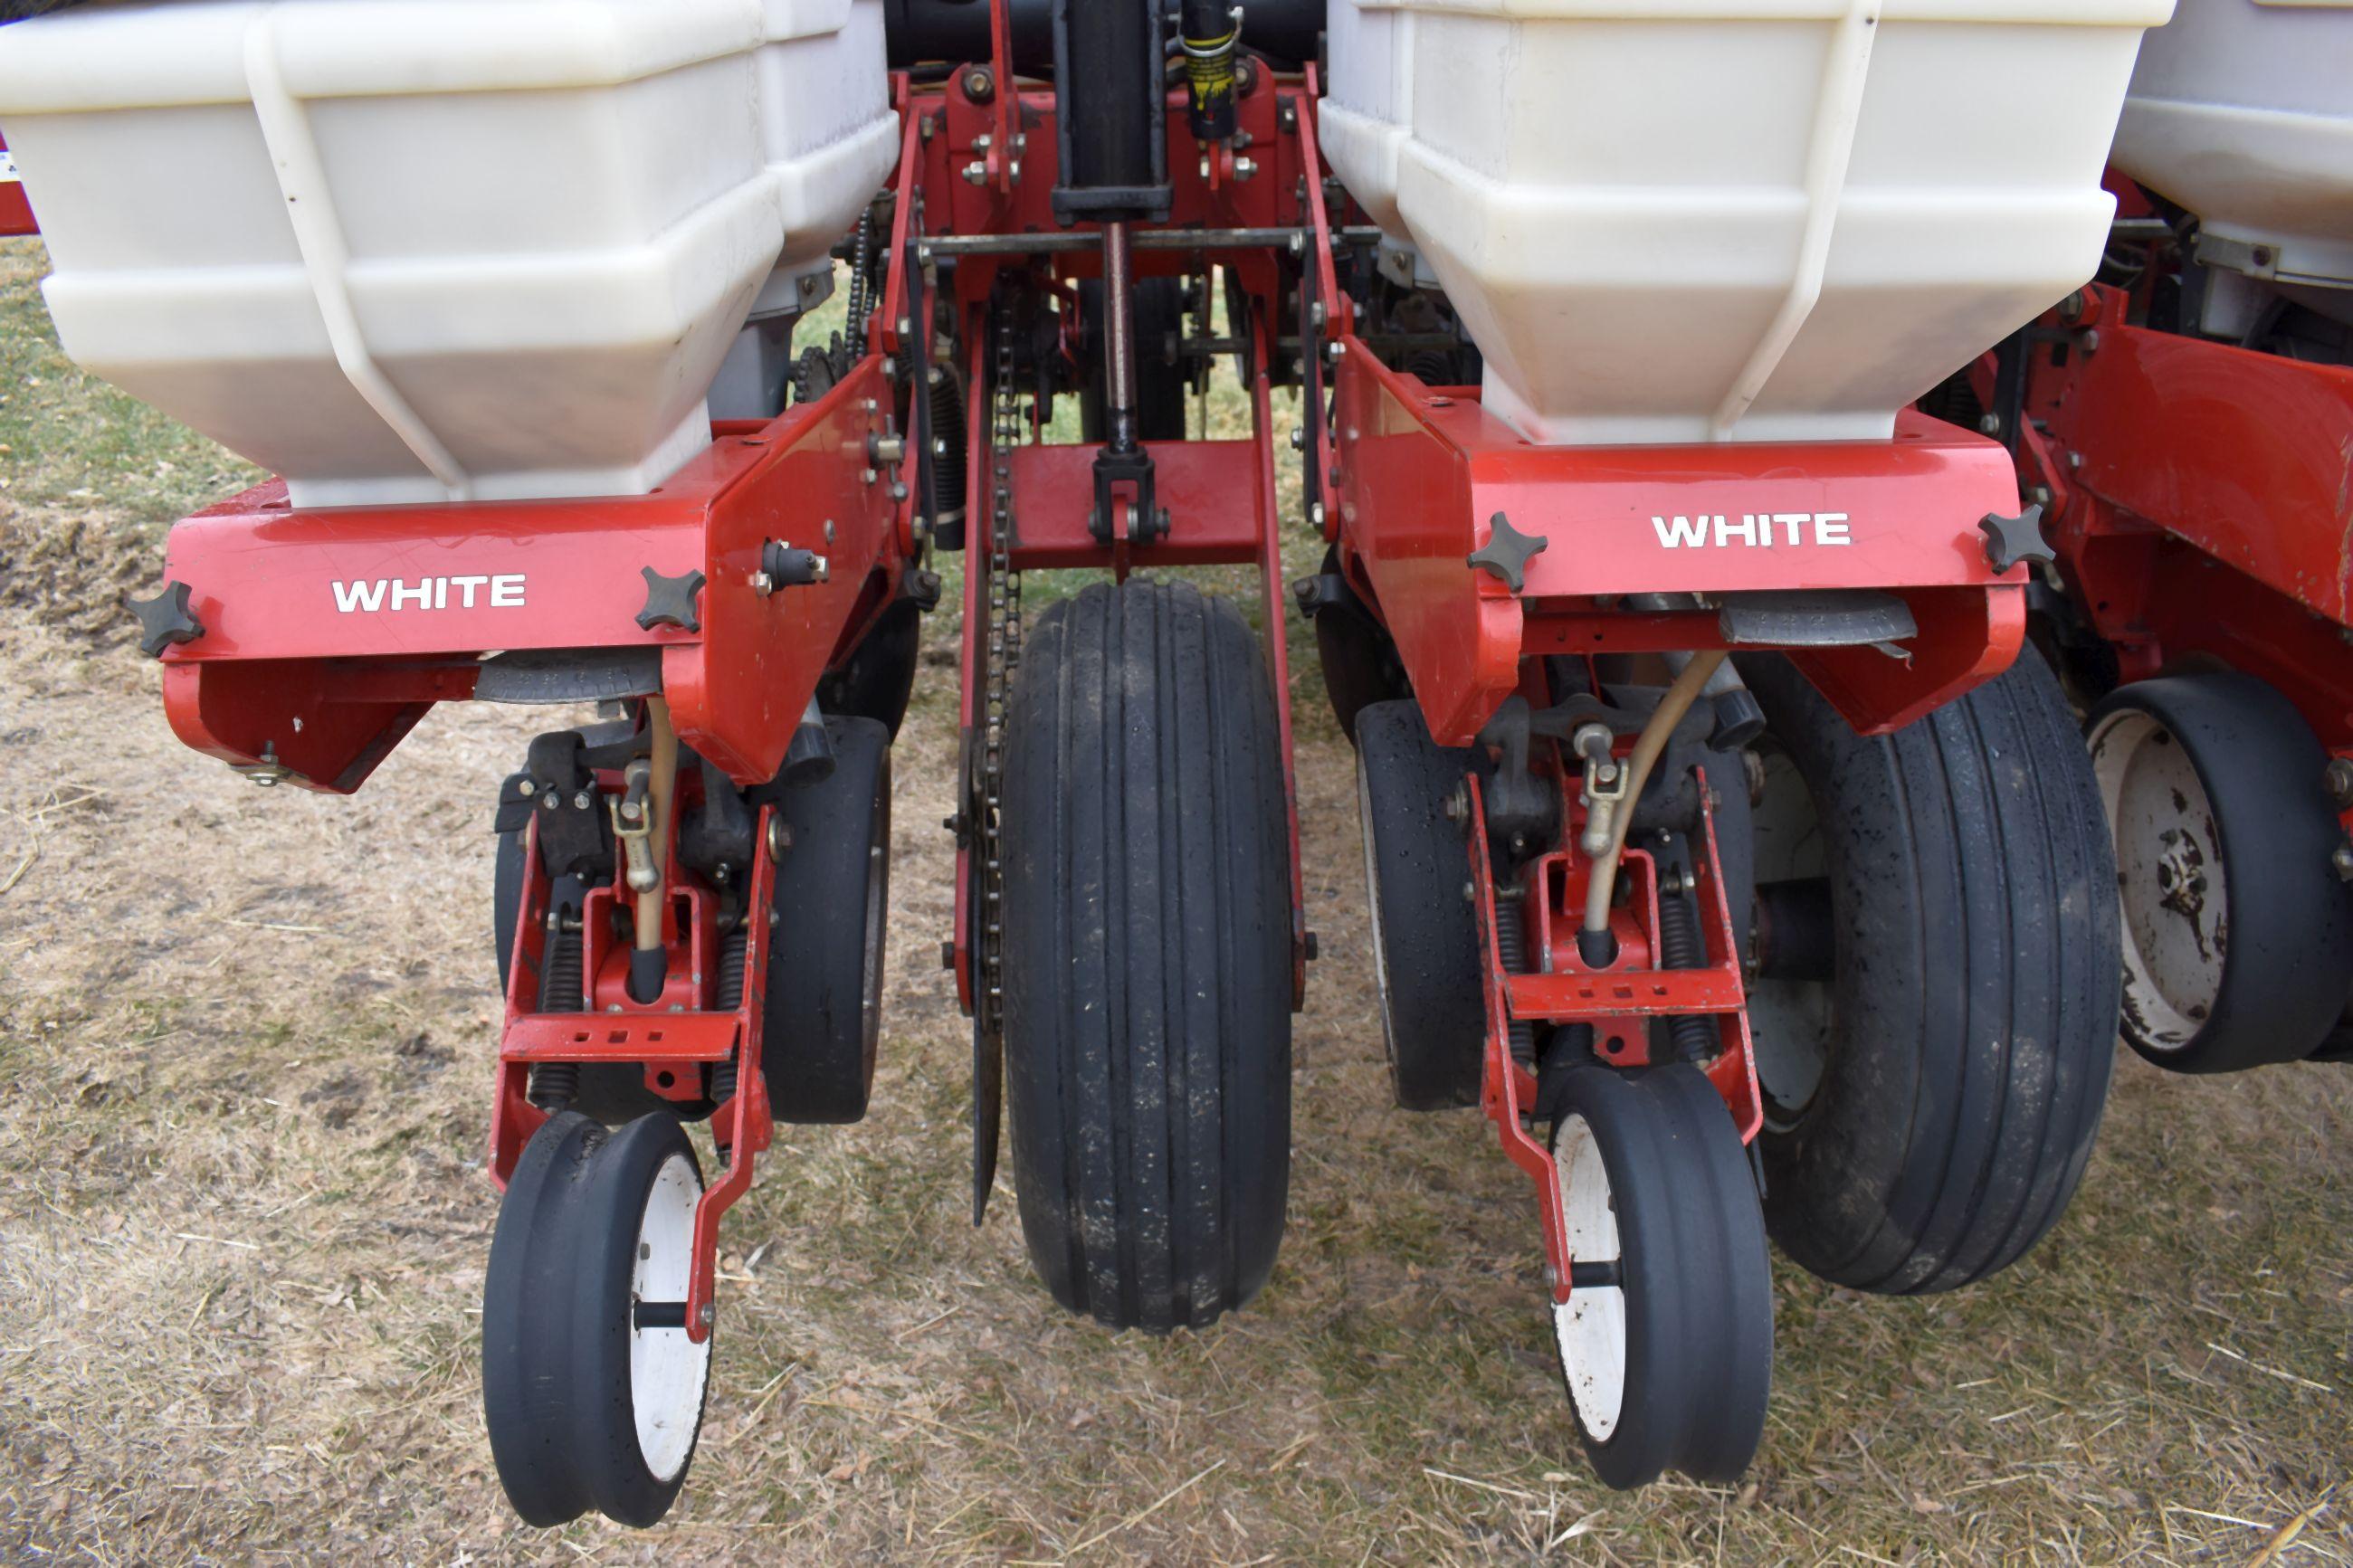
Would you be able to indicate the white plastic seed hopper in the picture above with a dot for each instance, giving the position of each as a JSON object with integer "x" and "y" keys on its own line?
{"x": 1703, "y": 220}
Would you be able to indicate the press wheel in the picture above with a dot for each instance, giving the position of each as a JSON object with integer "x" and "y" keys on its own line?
{"x": 592, "y": 1389}
{"x": 1666, "y": 1338}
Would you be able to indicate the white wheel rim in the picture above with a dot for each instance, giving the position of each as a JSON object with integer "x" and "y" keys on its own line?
{"x": 667, "y": 1369}
{"x": 1373, "y": 903}
{"x": 1590, "y": 1326}
{"x": 2176, "y": 903}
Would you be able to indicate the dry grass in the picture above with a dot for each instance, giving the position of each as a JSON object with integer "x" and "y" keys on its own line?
{"x": 246, "y": 1038}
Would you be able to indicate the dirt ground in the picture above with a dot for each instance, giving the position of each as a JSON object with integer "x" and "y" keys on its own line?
{"x": 245, "y": 1045}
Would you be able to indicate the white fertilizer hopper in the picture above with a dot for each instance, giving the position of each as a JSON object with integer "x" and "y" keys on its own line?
{"x": 423, "y": 250}
{"x": 1705, "y": 220}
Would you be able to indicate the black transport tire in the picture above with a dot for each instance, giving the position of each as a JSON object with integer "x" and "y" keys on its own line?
{"x": 1960, "y": 1046}
{"x": 1360, "y": 662}
{"x": 878, "y": 677}
{"x": 1424, "y": 934}
{"x": 2237, "y": 934}
{"x": 1669, "y": 1368}
{"x": 827, "y": 931}
{"x": 1158, "y": 309}
{"x": 1147, "y": 956}
{"x": 593, "y": 1221}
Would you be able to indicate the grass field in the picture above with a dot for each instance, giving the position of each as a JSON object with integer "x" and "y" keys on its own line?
{"x": 245, "y": 1053}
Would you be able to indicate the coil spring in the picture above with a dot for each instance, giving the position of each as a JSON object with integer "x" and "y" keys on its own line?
{"x": 1435, "y": 367}
{"x": 1511, "y": 948}
{"x": 1695, "y": 1038}
{"x": 947, "y": 464}
{"x": 730, "y": 997}
{"x": 555, "y": 1085}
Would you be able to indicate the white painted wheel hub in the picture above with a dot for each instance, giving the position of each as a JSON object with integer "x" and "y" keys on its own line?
{"x": 1590, "y": 1326}
{"x": 2176, "y": 908}
{"x": 667, "y": 1369}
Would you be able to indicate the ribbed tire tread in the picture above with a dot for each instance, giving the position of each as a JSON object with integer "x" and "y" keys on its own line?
{"x": 1147, "y": 1005}
{"x": 1978, "y": 990}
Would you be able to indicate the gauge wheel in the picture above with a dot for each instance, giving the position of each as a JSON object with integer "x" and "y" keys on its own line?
{"x": 592, "y": 1389}
{"x": 2238, "y": 934}
{"x": 1934, "y": 1002}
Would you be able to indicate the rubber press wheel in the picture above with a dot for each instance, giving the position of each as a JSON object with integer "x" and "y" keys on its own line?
{"x": 1358, "y": 658}
{"x": 826, "y": 930}
{"x": 1147, "y": 956}
{"x": 1668, "y": 1355}
{"x": 592, "y": 1391}
{"x": 2238, "y": 933}
{"x": 1424, "y": 934}
{"x": 1934, "y": 1006}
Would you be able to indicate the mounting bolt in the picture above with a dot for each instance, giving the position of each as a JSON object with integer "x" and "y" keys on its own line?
{"x": 526, "y": 787}
{"x": 2342, "y": 859}
{"x": 268, "y": 772}
{"x": 979, "y": 85}
{"x": 975, "y": 173}
{"x": 2088, "y": 340}
{"x": 1551, "y": 1277}
{"x": 1470, "y": 894}
{"x": 1458, "y": 805}
{"x": 1315, "y": 514}
{"x": 707, "y": 1314}
{"x": 1990, "y": 425}
{"x": 1299, "y": 437}
{"x": 1245, "y": 167}
{"x": 2340, "y": 782}
{"x": 780, "y": 839}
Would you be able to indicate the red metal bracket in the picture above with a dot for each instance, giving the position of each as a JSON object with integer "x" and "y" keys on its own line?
{"x": 1424, "y": 473}
{"x": 328, "y": 634}
{"x": 1615, "y": 1001}
{"x": 15, "y": 210}
{"x": 652, "y": 1035}
{"x": 2198, "y": 500}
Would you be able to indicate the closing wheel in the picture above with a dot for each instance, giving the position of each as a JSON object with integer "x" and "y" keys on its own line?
{"x": 827, "y": 931}
{"x": 2237, "y": 934}
{"x": 1146, "y": 956}
{"x": 878, "y": 677}
{"x": 592, "y": 1390}
{"x": 1935, "y": 1004}
{"x": 1359, "y": 661}
{"x": 1666, "y": 1340}
{"x": 1425, "y": 936}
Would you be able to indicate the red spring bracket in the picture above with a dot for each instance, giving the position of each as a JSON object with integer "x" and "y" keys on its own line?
{"x": 657, "y": 1040}
{"x": 1631, "y": 991}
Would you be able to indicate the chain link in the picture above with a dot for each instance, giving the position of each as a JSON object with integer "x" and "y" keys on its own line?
{"x": 1002, "y": 650}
